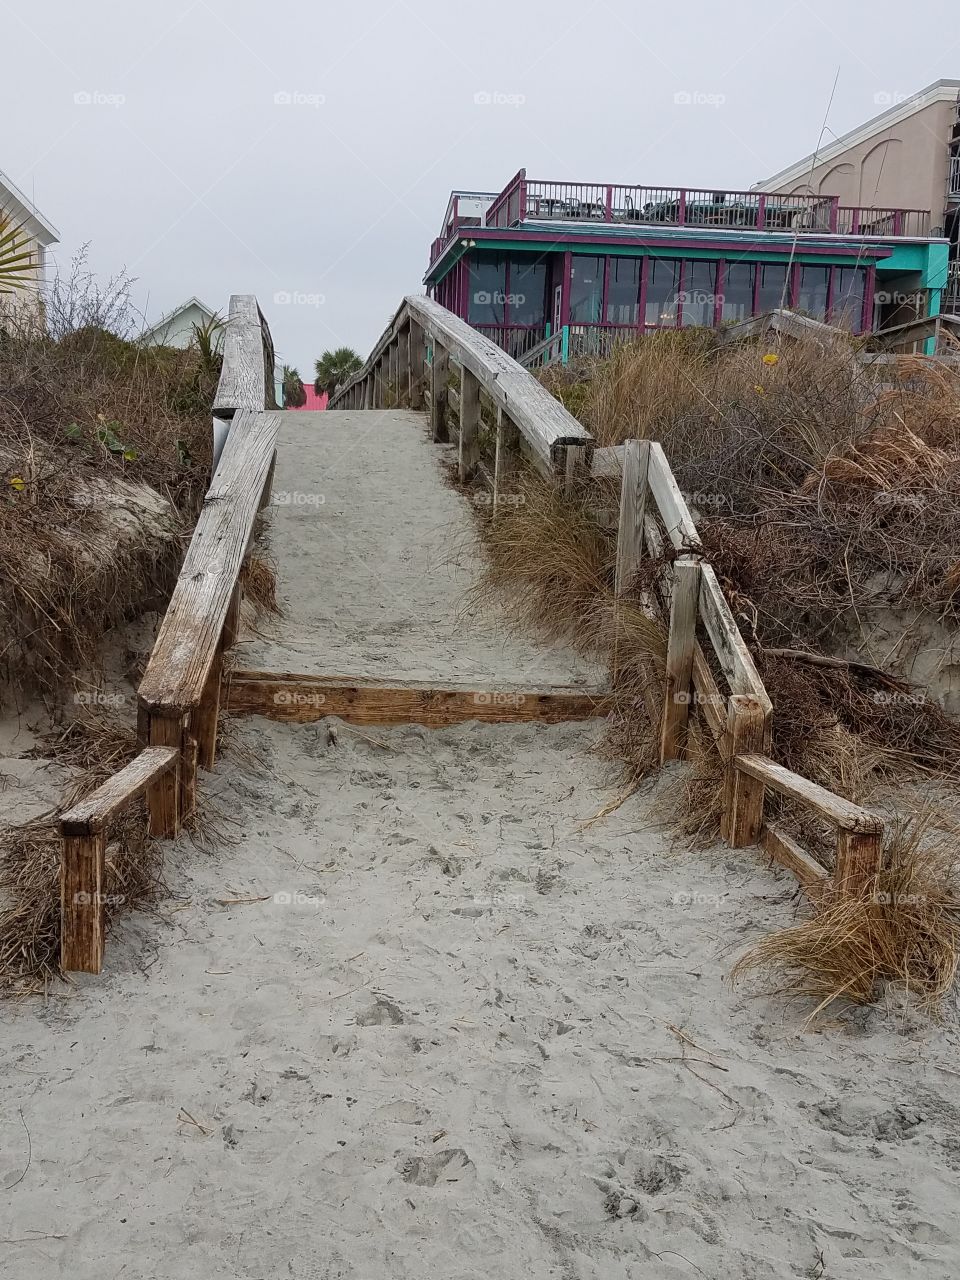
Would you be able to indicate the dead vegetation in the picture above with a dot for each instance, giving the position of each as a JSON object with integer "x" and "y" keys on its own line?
{"x": 828, "y": 502}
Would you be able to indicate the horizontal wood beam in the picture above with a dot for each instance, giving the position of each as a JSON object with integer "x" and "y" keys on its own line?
{"x": 783, "y": 849}
{"x": 301, "y": 699}
{"x": 842, "y": 813}
{"x": 247, "y": 351}
{"x": 95, "y": 811}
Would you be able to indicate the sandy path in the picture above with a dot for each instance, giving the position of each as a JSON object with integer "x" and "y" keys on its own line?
{"x": 374, "y": 560}
{"x": 434, "y": 1043}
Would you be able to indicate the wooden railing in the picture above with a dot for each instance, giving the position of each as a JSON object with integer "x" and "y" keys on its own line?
{"x": 179, "y": 696}
{"x": 414, "y": 363}
{"x": 416, "y": 356}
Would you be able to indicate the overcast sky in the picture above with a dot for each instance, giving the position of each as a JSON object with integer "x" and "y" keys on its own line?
{"x": 307, "y": 149}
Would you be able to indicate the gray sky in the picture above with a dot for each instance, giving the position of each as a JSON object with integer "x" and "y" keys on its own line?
{"x": 152, "y": 131}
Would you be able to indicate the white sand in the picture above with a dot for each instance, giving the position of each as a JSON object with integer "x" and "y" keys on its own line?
{"x": 445, "y": 1052}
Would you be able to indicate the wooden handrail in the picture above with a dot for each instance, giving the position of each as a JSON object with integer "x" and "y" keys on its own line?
{"x": 83, "y": 832}
{"x": 246, "y": 379}
{"x": 545, "y": 425}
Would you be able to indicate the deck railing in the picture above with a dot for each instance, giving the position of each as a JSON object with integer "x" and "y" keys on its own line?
{"x": 428, "y": 357}
{"x": 525, "y": 199}
{"x": 179, "y": 696}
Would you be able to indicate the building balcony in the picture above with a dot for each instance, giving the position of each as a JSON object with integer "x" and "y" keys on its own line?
{"x": 524, "y": 200}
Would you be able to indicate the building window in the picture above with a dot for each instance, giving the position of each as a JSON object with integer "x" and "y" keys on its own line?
{"x": 739, "y": 279}
{"x": 849, "y": 292}
{"x": 663, "y": 286}
{"x": 699, "y": 296}
{"x": 488, "y": 289}
{"x": 586, "y": 290}
{"x": 623, "y": 291}
{"x": 772, "y": 290}
{"x": 813, "y": 292}
{"x": 526, "y": 291}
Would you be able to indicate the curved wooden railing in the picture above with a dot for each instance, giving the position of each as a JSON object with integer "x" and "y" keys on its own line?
{"x": 415, "y": 361}
{"x": 179, "y": 696}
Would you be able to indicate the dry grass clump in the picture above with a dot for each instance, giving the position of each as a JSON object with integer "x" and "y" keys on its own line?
{"x": 104, "y": 460}
{"x": 904, "y": 929}
{"x": 258, "y": 580}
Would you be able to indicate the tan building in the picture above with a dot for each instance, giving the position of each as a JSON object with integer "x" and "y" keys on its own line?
{"x": 40, "y": 235}
{"x": 907, "y": 157}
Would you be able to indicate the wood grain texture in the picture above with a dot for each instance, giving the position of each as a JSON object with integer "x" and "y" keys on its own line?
{"x": 164, "y": 800}
{"x": 95, "y": 811}
{"x": 633, "y": 499}
{"x": 681, "y": 641}
{"x": 783, "y": 849}
{"x": 81, "y": 903}
{"x": 468, "y": 454}
{"x": 732, "y": 653}
{"x": 859, "y": 856}
{"x": 189, "y": 635}
{"x": 743, "y": 793}
{"x": 842, "y": 813}
{"x": 243, "y": 384}
{"x": 439, "y": 372}
{"x": 302, "y": 699}
{"x": 674, "y": 512}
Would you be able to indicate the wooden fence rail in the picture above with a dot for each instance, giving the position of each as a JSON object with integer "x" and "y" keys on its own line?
{"x": 180, "y": 695}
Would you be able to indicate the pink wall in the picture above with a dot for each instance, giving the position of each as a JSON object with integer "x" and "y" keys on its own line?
{"x": 313, "y": 400}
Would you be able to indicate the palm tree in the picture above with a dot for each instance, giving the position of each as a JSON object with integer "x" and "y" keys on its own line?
{"x": 17, "y": 259}
{"x": 294, "y": 396}
{"x": 334, "y": 368}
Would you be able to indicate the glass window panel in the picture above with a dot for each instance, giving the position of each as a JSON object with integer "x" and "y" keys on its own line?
{"x": 812, "y": 291}
{"x": 738, "y": 282}
{"x": 586, "y": 290}
{"x": 773, "y": 291}
{"x": 488, "y": 289}
{"x": 663, "y": 283}
{"x": 623, "y": 291}
{"x": 849, "y": 290}
{"x": 699, "y": 295}
{"x": 528, "y": 287}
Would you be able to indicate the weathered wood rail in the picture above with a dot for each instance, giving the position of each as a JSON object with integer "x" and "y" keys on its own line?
{"x": 180, "y": 694}
{"x": 415, "y": 362}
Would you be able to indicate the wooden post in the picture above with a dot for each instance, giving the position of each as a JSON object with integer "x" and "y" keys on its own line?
{"x": 633, "y": 501}
{"x": 81, "y": 902}
{"x": 438, "y": 394}
{"x": 393, "y": 381}
{"x": 368, "y": 392}
{"x": 469, "y": 450}
{"x": 231, "y": 624}
{"x": 684, "y": 611}
{"x": 164, "y": 795}
{"x": 203, "y": 722}
{"x": 416, "y": 355}
{"x": 743, "y": 796}
{"x": 403, "y": 366}
{"x": 574, "y": 466}
{"x": 858, "y": 860}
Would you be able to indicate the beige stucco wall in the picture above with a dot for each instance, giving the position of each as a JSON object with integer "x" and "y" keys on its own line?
{"x": 24, "y": 302}
{"x": 903, "y": 167}
{"x": 178, "y": 332}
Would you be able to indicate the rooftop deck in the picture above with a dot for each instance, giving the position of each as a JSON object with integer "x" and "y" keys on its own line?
{"x": 524, "y": 199}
